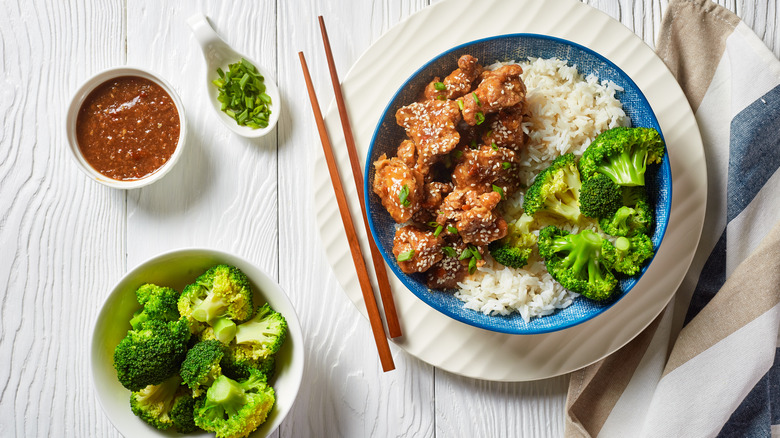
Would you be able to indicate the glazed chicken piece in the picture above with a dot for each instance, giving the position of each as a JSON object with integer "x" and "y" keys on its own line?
{"x": 472, "y": 214}
{"x": 416, "y": 250}
{"x": 500, "y": 88}
{"x": 435, "y": 192}
{"x": 486, "y": 165}
{"x": 399, "y": 187}
{"x": 446, "y": 274}
{"x": 458, "y": 83}
{"x": 506, "y": 128}
{"x": 407, "y": 153}
{"x": 432, "y": 126}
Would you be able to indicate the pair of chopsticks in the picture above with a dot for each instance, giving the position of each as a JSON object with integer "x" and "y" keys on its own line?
{"x": 388, "y": 303}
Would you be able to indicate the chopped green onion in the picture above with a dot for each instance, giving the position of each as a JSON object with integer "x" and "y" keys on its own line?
{"x": 458, "y": 154}
{"x": 452, "y": 229}
{"x": 472, "y": 265}
{"x": 449, "y": 251}
{"x": 242, "y": 94}
{"x": 433, "y": 224}
{"x": 441, "y": 97}
{"x": 460, "y": 104}
{"x": 438, "y": 231}
{"x": 480, "y": 118}
{"x": 405, "y": 256}
{"x": 489, "y": 133}
{"x": 476, "y": 99}
{"x": 465, "y": 254}
{"x": 439, "y": 86}
{"x": 475, "y": 253}
{"x": 494, "y": 146}
{"x": 506, "y": 165}
{"x": 498, "y": 190}
{"x": 403, "y": 196}
{"x": 473, "y": 144}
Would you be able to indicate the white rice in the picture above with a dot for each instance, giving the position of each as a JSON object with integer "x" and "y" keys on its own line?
{"x": 568, "y": 111}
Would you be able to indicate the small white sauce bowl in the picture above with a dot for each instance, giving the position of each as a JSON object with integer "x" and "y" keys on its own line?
{"x": 73, "y": 113}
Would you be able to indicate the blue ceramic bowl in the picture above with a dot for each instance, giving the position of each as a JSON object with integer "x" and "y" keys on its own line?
{"x": 516, "y": 47}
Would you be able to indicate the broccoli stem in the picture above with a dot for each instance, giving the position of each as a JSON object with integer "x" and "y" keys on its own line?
{"x": 228, "y": 394}
{"x": 627, "y": 168}
{"x": 210, "y": 308}
{"x": 224, "y": 330}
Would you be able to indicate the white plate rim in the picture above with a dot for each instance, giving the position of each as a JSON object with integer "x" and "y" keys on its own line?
{"x": 469, "y": 351}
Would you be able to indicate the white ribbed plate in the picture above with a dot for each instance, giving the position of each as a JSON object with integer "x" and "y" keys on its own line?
{"x": 470, "y": 351}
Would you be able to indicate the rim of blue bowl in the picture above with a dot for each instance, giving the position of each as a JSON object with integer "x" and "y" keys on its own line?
{"x": 406, "y": 279}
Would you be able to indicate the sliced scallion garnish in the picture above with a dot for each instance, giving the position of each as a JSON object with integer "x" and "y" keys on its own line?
{"x": 405, "y": 256}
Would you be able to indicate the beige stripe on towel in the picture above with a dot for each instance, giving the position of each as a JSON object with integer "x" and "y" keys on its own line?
{"x": 594, "y": 390}
{"x": 736, "y": 304}
{"x": 692, "y": 47}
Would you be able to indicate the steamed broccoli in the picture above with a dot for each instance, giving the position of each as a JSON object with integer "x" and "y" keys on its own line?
{"x": 202, "y": 365}
{"x": 261, "y": 336}
{"x": 183, "y": 414}
{"x": 630, "y": 253}
{"x": 235, "y": 408}
{"x": 555, "y": 191}
{"x": 221, "y": 293}
{"x": 623, "y": 155}
{"x": 155, "y": 404}
{"x": 158, "y": 303}
{"x": 152, "y": 354}
{"x": 514, "y": 249}
{"x": 628, "y": 221}
{"x": 577, "y": 262}
{"x": 600, "y": 197}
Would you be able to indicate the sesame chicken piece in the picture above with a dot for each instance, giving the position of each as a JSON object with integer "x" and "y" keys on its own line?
{"x": 407, "y": 153}
{"x": 471, "y": 210}
{"x": 421, "y": 247}
{"x": 434, "y": 193}
{"x": 432, "y": 126}
{"x": 485, "y": 166}
{"x": 446, "y": 274}
{"x": 506, "y": 128}
{"x": 500, "y": 88}
{"x": 399, "y": 187}
{"x": 458, "y": 83}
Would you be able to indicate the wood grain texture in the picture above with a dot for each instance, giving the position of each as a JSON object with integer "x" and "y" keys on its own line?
{"x": 64, "y": 239}
{"x": 62, "y": 235}
{"x": 345, "y": 393}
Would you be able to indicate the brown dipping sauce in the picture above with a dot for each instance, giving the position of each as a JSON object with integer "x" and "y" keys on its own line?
{"x": 127, "y": 128}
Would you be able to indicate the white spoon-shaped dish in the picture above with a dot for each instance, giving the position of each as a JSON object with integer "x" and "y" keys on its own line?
{"x": 219, "y": 54}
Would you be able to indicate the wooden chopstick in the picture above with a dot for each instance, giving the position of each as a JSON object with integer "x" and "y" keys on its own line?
{"x": 346, "y": 218}
{"x": 388, "y": 303}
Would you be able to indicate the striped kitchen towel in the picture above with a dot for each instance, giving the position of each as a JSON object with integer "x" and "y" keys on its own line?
{"x": 709, "y": 365}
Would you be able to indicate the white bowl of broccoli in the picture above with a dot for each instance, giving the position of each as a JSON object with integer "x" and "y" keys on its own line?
{"x": 200, "y": 342}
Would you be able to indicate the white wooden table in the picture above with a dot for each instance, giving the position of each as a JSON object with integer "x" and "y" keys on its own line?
{"x": 64, "y": 239}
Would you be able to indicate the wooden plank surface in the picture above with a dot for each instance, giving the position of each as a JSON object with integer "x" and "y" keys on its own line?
{"x": 64, "y": 240}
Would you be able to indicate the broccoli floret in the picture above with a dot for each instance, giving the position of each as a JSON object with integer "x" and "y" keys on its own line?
{"x": 221, "y": 292}
{"x": 158, "y": 303}
{"x": 202, "y": 365}
{"x": 630, "y": 253}
{"x": 623, "y": 155}
{"x": 183, "y": 414}
{"x": 235, "y": 408}
{"x": 240, "y": 369}
{"x": 154, "y": 404}
{"x": 151, "y": 355}
{"x": 600, "y": 197}
{"x": 261, "y": 336}
{"x": 628, "y": 221}
{"x": 576, "y": 261}
{"x": 514, "y": 249}
{"x": 555, "y": 191}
